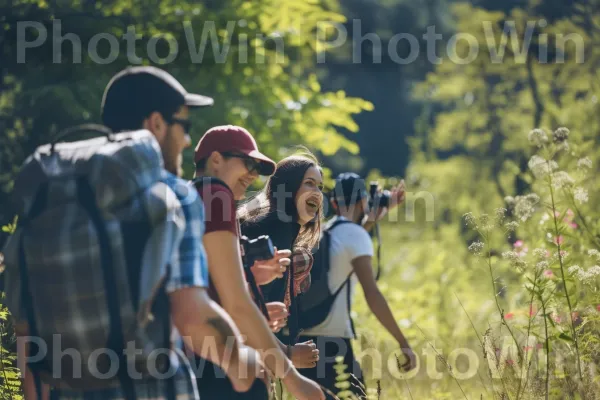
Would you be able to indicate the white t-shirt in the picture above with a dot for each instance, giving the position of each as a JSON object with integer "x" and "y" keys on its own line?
{"x": 348, "y": 241}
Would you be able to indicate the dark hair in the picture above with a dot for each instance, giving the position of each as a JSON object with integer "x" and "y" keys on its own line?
{"x": 201, "y": 165}
{"x": 287, "y": 178}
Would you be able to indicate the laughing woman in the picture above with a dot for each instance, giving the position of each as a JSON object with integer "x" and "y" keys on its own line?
{"x": 289, "y": 210}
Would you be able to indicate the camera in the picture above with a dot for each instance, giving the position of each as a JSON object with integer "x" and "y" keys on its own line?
{"x": 258, "y": 249}
{"x": 378, "y": 199}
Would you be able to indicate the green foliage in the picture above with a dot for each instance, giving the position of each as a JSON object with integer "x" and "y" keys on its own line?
{"x": 472, "y": 154}
{"x": 260, "y": 71}
{"x": 10, "y": 377}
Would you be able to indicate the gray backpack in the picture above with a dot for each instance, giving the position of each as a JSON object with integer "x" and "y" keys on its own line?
{"x": 90, "y": 256}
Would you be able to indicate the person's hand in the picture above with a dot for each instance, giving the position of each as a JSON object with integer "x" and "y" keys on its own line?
{"x": 376, "y": 214}
{"x": 243, "y": 371}
{"x": 278, "y": 315}
{"x": 268, "y": 270}
{"x": 397, "y": 195}
{"x": 302, "y": 388}
{"x": 410, "y": 356}
{"x": 305, "y": 355}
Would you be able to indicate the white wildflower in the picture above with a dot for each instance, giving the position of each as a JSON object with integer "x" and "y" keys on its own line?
{"x": 509, "y": 200}
{"x": 476, "y": 248}
{"x": 524, "y": 207}
{"x": 542, "y": 265}
{"x": 545, "y": 218}
{"x": 556, "y": 257}
{"x": 484, "y": 222}
{"x": 538, "y": 137}
{"x": 560, "y": 135}
{"x": 581, "y": 195}
{"x": 511, "y": 226}
{"x": 593, "y": 272}
{"x": 589, "y": 276}
{"x": 500, "y": 215}
{"x": 594, "y": 253}
{"x": 514, "y": 259}
{"x": 540, "y": 253}
{"x": 541, "y": 167}
{"x": 561, "y": 179}
{"x": 584, "y": 163}
{"x": 574, "y": 270}
{"x": 470, "y": 220}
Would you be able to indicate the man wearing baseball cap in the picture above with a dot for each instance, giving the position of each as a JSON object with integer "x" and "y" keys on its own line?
{"x": 227, "y": 163}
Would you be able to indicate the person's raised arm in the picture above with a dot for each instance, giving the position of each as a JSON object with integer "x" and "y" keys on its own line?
{"x": 378, "y": 305}
{"x": 226, "y": 271}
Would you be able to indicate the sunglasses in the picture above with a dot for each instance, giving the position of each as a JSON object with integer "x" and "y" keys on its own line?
{"x": 250, "y": 163}
{"x": 186, "y": 124}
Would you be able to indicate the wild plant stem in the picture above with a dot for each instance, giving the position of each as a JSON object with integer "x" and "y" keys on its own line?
{"x": 527, "y": 340}
{"x": 562, "y": 272}
{"x": 547, "y": 346}
{"x": 478, "y": 337}
{"x": 441, "y": 358}
{"x": 408, "y": 387}
{"x": 489, "y": 258}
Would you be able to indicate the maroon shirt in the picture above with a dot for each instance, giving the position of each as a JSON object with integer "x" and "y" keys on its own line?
{"x": 220, "y": 215}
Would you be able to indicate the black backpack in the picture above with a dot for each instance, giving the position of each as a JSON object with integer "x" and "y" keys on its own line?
{"x": 315, "y": 305}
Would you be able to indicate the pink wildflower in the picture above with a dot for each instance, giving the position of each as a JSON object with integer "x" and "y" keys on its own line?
{"x": 509, "y": 315}
{"x": 548, "y": 274}
{"x": 598, "y": 307}
{"x": 570, "y": 213}
{"x": 556, "y": 318}
{"x": 510, "y": 362}
{"x": 575, "y": 315}
{"x": 573, "y": 225}
{"x": 556, "y": 214}
{"x": 518, "y": 243}
{"x": 532, "y": 311}
{"x": 559, "y": 240}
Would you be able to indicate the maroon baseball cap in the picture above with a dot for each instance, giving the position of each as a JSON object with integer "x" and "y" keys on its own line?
{"x": 231, "y": 138}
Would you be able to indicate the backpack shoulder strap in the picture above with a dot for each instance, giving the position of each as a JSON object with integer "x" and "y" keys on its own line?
{"x": 201, "y": 181}
{"x": 347, "y": 280}
{"x": 337, "y": 222}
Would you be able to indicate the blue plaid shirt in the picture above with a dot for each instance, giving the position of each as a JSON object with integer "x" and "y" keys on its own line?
{"x": 189, "y": 267}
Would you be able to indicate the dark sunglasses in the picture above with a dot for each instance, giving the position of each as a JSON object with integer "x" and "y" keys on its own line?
{"x": 250, "y": 163}
{"x": 186, "y": 124}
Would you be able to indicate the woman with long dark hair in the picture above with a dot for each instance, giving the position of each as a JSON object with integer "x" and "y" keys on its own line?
{"x": 289, "y": 210}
